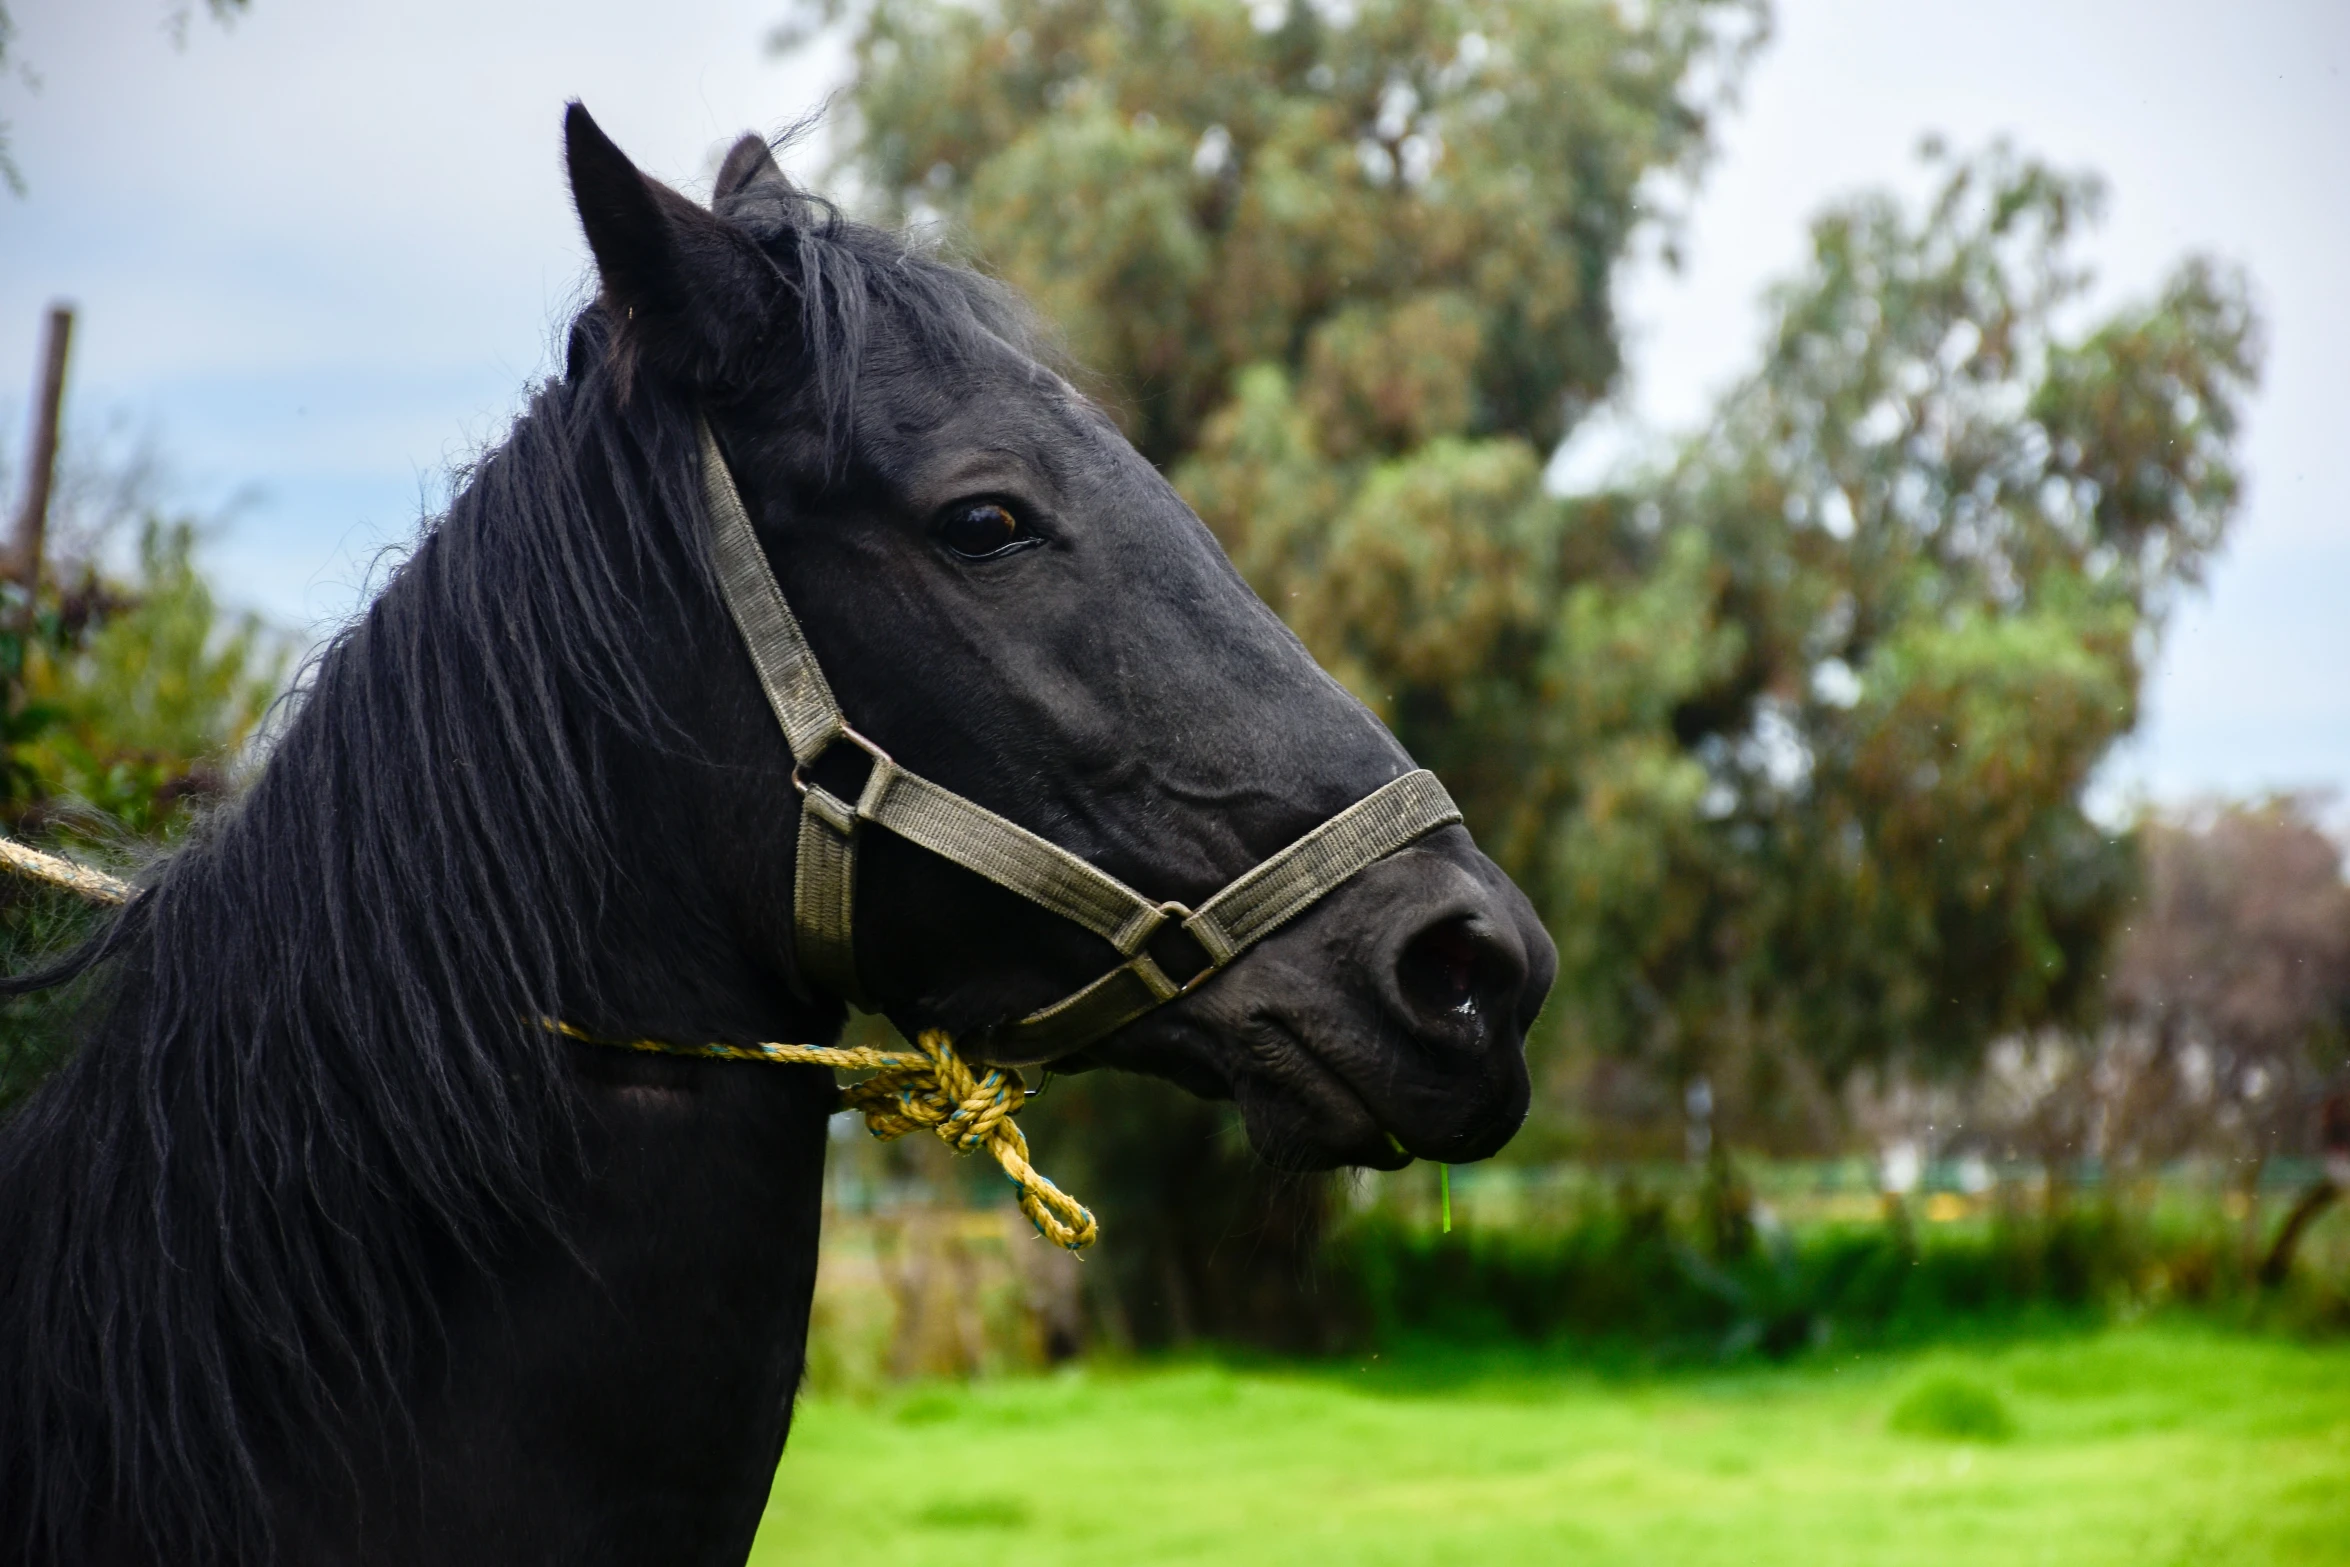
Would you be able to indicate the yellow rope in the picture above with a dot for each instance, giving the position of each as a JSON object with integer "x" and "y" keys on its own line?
{"x": 933, "y": 1088}
{"x": 930, "y": 1087}
{"x": 57, "y": 871}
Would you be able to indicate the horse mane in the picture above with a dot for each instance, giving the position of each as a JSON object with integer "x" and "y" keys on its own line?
{"x": 312, "y": 1099}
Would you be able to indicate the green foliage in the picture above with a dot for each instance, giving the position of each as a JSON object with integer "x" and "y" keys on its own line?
{"x": 1941, "y": 532}
{"x": 1788, "y": 739}
{"x": 147, "y": 707}
{"x": 1953, "y": 1408}
{"x": 1414, "y": 210}
{"x": 1639, "y": 1279}
{"x": 1347, "y": 280}
{"x": 124, "y": 707}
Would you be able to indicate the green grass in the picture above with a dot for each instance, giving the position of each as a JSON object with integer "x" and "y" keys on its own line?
{"x": 2148, "y": 1445}
{"x": 1954, "y": 1407}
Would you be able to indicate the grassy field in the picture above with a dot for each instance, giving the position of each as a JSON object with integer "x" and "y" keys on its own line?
{"x": 2148, "y": 1445}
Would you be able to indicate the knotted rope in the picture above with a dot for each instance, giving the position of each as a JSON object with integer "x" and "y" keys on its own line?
{"x": 930, "y": 1087}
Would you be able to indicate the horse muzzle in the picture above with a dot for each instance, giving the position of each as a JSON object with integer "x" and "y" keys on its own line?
{"x": 1387, "y": 1024}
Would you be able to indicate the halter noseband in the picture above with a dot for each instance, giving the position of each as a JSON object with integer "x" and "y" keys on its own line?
{"x": 914, "y": 808}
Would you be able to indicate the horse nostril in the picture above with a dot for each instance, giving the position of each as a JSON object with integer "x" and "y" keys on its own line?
{"x": 1447, "y": 968}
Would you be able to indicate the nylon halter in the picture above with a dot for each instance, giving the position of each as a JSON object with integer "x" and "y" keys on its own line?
{"x": 824, "y": 885}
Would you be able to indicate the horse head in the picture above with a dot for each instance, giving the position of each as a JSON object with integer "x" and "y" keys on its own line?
{"x": 1012, "y": 603}
{"x": 304, "y": 1253}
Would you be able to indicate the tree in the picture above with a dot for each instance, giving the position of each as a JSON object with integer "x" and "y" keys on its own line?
{"x": 2232, "y": 978}
{"x": 2231, "y": 996}
{"x": 1788, "y": 738}
{"x": 1342, "y": 270}
{"x": 1348, "y": 261}
{"x": 126, "y": 699}
{"x": 1412, "y": 207}
{"x": 1936, "y": 540}
{"x": 148, "y": 701}
{"x": 2226, "y": 1034}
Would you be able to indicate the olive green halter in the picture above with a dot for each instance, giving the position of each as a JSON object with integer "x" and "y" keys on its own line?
{"x": 921, "y": 812}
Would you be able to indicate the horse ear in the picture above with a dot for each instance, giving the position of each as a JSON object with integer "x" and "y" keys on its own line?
{"x": 687, "y": 292}
{"x": 753, "y": 194}
{"x": 749, "y": 162}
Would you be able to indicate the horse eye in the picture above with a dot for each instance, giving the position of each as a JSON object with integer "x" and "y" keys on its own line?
{"x": 979, "y": 530}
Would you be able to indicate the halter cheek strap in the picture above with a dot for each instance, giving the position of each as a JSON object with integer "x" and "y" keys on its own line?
{"x": 921, "y": 812}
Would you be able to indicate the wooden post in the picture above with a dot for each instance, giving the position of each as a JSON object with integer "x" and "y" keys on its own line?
{"x": 32, "y": 520}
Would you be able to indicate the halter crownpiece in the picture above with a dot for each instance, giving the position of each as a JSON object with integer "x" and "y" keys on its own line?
{"x": 825, "y": 880}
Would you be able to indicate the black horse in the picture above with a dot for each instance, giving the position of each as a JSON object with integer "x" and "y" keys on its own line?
{"x": 322, "y": 1250}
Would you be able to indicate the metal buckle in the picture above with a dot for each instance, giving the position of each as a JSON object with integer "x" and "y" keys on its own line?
{"x": 881, "y": 758}
{"x": 1173, "y": 913}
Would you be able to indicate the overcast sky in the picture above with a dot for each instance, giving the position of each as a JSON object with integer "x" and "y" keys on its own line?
{"x": 319, "y": 254}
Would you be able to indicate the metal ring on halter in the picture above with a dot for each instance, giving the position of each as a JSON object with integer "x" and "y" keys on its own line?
{"x": 881, "y": 758}
{"x": 1174, "y": 914}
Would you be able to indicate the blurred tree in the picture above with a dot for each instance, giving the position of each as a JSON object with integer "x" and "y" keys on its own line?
{"x": 1411, "y": 206}
{"x": 1936, "y": 539}
{"x": 1344, "y": 269}
{"x": 149, "y": 692}
{"x": 2232, "y": 977}
{"x": 2227, "y": 1028}
{"x": 125, "y": 700}
{"x": 2231, "y": 992}
{"x": 1788, "y": 738}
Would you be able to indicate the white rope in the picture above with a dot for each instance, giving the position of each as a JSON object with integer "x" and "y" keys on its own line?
{"x": 58, "y": 871}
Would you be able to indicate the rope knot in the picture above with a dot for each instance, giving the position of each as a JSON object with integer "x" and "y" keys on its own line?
{"x": 934, "y": 1090}
{"x": 937, "y": 1090}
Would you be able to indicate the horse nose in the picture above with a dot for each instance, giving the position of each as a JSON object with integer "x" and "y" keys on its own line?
{"x": 1474, "y": 971}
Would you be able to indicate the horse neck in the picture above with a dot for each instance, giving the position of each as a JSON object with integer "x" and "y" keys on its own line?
{"x": 655, "y": 1350}
{"x": 320, "y": 1077}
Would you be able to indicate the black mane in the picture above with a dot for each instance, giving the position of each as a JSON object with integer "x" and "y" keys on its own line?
{"x": 313, "y": 1093}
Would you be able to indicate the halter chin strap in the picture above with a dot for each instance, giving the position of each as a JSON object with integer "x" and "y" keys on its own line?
{"x": 914, "y": 808}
